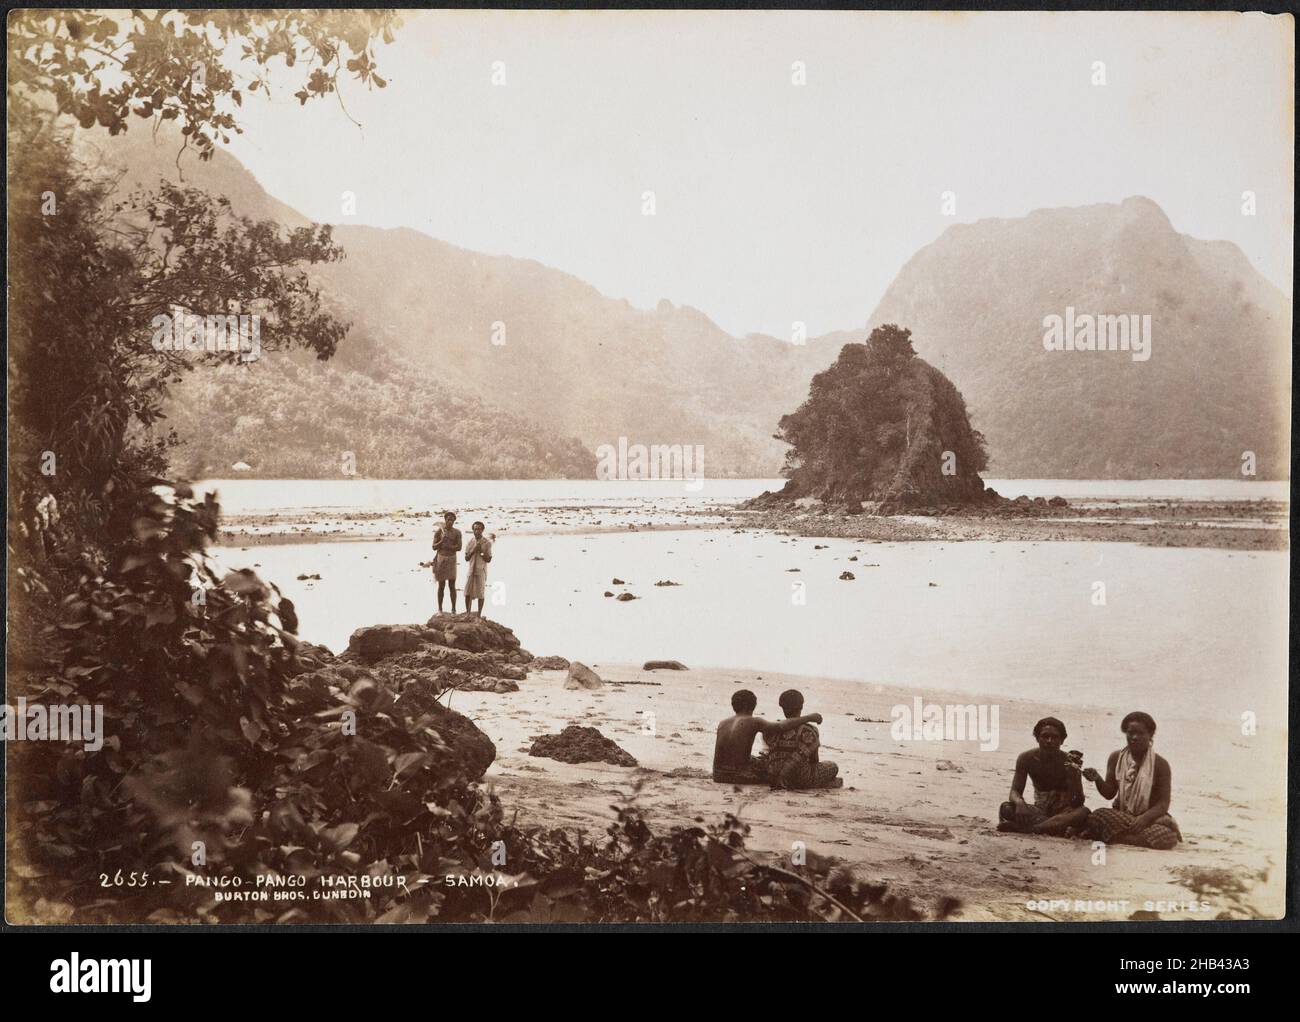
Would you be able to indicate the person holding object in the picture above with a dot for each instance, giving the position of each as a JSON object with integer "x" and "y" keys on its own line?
{"x": 446, "y": 544}
{"x": 478, "y": 554}
{"x": 1058, "y": 806}
{"x": 1141, "y": 784}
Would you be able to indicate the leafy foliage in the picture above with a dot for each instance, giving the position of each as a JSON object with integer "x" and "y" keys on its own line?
{"x": 881, "y": 424}
{"x": 172, "y": 65}
{"x": 288, "y": 416}
{"x": 87, "y": 386}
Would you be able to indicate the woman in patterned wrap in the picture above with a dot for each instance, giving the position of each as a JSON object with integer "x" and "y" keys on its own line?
{"x": 1141, "y": 784}
{"x": 792, "y": 759}
{"x": 478, "y": 553}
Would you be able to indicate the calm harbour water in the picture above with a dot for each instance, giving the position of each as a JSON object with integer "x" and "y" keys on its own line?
{"x": 1185, "y": 632}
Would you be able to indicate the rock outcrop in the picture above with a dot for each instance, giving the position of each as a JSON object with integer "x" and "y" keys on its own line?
{"x": 582, "y": 676}
{"x": 450, "y": 651}
{"x": 370, "y": 688}
{"x": 882, "y": 425}
{"x": 580, "y": 745}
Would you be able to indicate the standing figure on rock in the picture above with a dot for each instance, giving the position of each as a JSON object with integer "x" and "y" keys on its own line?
{"x": 446, "y": 545}
{"x": 478, "y": 554}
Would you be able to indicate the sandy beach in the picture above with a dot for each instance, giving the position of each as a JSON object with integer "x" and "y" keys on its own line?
{"x": 919, "y": 815}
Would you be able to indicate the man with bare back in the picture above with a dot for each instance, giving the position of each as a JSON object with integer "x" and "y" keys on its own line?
{"x": 732, "y": 762}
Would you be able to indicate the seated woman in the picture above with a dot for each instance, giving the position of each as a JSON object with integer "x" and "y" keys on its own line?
{"x": 792, "y": 760}
{"x": 1141, "y": 784}
{"x": 1058, "y": 787}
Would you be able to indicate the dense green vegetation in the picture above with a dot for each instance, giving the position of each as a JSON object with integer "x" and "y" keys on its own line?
{"x": 289, "y": 417}
{"x": 882, "y": 425}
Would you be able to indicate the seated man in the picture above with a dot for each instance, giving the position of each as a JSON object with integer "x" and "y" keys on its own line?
{"x": 792, "y": 755}
{"x": 732, "y": 762}
{"x": 1058, "y": 787}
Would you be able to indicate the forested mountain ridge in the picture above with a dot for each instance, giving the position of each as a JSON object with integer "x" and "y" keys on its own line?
{"x": 366, "y": 411}
{"x": 1216, "y": 384}
{"x": 553, "y": 352}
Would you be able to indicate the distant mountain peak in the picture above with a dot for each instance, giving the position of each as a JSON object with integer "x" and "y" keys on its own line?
{"x": 976, "y": 300}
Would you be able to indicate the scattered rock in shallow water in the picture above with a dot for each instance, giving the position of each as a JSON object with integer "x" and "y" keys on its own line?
{"x": 617, "y": 582}
{"x": 854, "y": 557}
{"x": 548, "y": 663}
{"x": 580, "y": 745}
{"x": 667, "y": 582}
{"x": 624, "y": 597}
{"x": 664, "y": 665}
{"x": 305, "y": 578}
{"x": 608, "y": 593}
{"x": 582, "y": 676}
{"x": 847, "y": 576}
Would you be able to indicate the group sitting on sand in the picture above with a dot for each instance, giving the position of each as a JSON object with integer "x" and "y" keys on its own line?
{"x": 1139, "y": 781}
{"x": 790, "y": 759}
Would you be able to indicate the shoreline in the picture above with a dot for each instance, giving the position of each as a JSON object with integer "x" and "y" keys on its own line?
{"x": 1224, "y": 525}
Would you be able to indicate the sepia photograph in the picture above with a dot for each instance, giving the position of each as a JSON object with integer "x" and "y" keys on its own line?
{"x": 607, "y": 469}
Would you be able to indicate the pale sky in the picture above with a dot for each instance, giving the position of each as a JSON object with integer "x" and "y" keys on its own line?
{"x": 778, "y": 203}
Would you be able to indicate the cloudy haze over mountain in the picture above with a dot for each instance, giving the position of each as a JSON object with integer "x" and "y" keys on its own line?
{"x": 776, "y": 202}
{"x": 581, "y": 366}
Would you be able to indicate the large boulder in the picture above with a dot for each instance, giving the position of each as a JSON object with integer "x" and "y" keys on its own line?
{"x": 470, "y": 745}
{"x": 375, "y": 641}
{"x": 386, "y": 707}
{"x": 582, "y": 676}
{"x": 580, "y": 745}
{"x": 476, "y": 634}
{"x": 664, "y": 665}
